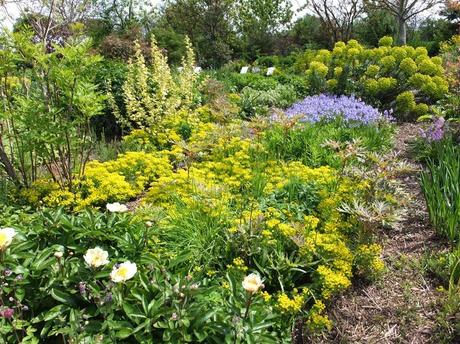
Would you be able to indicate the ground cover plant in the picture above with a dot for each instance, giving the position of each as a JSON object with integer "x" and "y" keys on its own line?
{"x": 230, "y": 207}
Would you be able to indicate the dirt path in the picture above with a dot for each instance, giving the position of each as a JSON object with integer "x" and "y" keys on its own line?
{"x": 401, "y": 307}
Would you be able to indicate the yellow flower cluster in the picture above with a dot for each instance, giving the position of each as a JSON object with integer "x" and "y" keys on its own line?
{"x": 368, "y": 261}
{"x": 291, "y": 305}
{"x": 120, "y": 179}
{"x": 117, "y": 180}
{"x": 333, "y": 281}
{"x": 238, "y": 264}
{"x": 317, "y": 320}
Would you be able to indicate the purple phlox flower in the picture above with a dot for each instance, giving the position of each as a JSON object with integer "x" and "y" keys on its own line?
{"x": 329, "y": 107}
{"x": 436, "y": 130}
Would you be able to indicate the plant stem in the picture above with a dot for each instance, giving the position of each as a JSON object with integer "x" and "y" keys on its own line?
{"x": 248, "y": 305}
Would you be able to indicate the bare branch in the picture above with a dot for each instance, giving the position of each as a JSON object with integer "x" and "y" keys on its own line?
{"x": 337, "y": 18}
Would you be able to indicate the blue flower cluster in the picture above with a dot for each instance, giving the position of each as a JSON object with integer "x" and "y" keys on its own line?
{"x": 329, "y": 107}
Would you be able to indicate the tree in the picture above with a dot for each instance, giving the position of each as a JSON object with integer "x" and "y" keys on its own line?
{"x": 208, "y": 23}
{"x": 50, "y": 18}
{"x": 452, "y": 12}
{"x": 403, "y": 11}
{"x": 259, "y": 21}
{"x": 123, "y": 15}
{"x": 337, "y": 18}
{"x": 375, "y": 25}
{"x": 306, "y": 33}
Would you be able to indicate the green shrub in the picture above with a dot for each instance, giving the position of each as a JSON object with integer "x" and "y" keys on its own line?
{"x": 386, "y": 41}
{"x": 378, "y": 75}
{"x": 49, "y": 99}
{"x": 258, "y": 103}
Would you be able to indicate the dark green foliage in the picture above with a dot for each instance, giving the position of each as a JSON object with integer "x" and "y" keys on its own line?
{"x": 258, "y": 22}
{"x": 307, "y": 33}
{"x": 374, "y": 26}
{"x": 172, "y": 42}
{"x": 110, "y": 76}
{"x": 431, "y": 33}
{"x": 209, "y": 26}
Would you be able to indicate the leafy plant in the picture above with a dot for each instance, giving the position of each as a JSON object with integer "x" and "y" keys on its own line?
{"x": 258, "y": 103}
{"x": 152, "y": 93}
{"x": 441, "y": 188}
{"x": 46, "y": 103}
{"x": 379, "y": 76}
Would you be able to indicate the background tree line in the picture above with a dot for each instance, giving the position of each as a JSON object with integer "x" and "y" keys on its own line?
{"x": 225, "y": 30}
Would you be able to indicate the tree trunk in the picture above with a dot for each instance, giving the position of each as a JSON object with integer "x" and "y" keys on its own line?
{"x": 8, "y": 166}
{"x": 402, "y": 32}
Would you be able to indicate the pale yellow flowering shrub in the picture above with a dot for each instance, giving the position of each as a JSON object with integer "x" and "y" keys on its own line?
{"x": 152, "y": 93}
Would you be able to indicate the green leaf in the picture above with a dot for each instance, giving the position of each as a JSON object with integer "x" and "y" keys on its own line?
{"x": 51, "y": 314}
{"x": 62, "y": 297}
{"x": 133, "y": 312}
{"x": 124, "y": 333}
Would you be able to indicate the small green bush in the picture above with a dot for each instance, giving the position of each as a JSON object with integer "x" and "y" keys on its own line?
{"x": 255, "y": 102}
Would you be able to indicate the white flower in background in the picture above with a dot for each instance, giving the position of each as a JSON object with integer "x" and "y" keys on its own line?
{"x": 58, "y": 254}
{"x": 6, "y": 237}
{"x": 116, "y": 207}
{"x": 252, "y": 283}
{"x": 123, "y": 272}
{"x": 96, "y": 257}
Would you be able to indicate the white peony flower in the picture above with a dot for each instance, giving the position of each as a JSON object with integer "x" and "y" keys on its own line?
{"x": 123, "y": 272}
{"x": 96, "y": 257}
{"x": 116, "y": 207}
{"x": 6, "y": 237}
{"x": 252, "y": 283}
